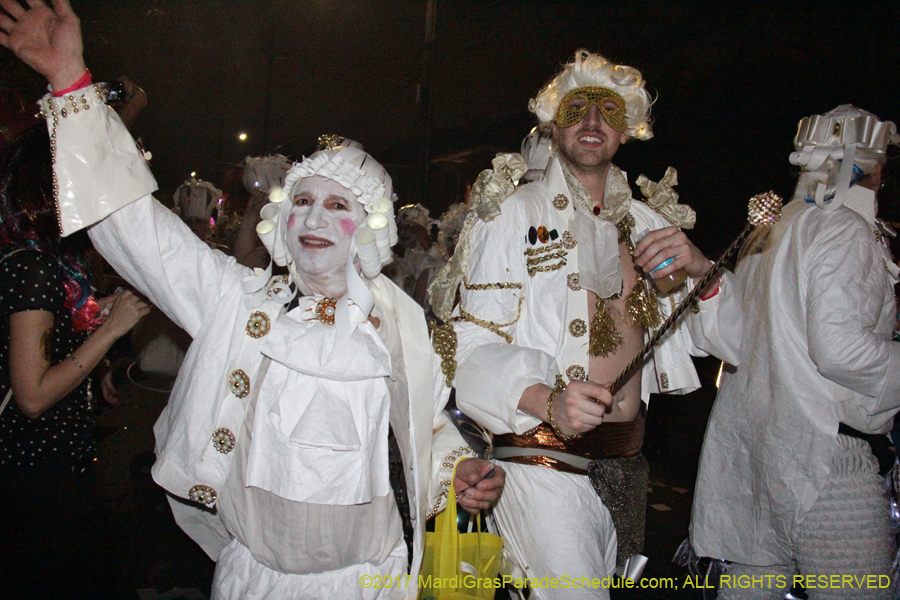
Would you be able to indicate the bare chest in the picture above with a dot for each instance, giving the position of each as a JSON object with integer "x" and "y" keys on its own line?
{"x": 603, "y": 369}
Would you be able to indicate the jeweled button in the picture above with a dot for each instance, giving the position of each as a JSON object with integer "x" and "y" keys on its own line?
{"x": 576, "y": 373}
{"x": 239, "y": 383}
{"x": 223, "y": 440}
{"x": 577, "y": 328}
{"x": 258, "y": 325}
{"x": 202, "y": 494}
{"x": 573, "y": 280}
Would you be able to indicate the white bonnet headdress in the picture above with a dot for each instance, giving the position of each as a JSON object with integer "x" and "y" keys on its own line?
{"x": 196, "y": 199}
{"x": 345, "y": 162}
{"x": 265, "y": 173}
{"x": 415, "y": 214}
{"x": 834, "y": 150}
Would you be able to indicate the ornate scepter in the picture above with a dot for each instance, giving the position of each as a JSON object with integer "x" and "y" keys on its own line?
{"x": 764, "y": 210}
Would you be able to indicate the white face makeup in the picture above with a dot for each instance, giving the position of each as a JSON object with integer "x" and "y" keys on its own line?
{"x": 323, "y": 217}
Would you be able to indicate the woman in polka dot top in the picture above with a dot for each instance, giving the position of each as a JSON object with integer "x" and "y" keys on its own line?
{"x": 52, "y": 335}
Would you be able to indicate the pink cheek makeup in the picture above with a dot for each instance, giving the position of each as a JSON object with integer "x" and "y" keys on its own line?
{"x": 347, "y": 226}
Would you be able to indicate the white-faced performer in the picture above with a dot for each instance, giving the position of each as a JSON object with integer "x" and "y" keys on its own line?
{"x": 787, "y": 481}
{"x": 552, "y": 306}
{"x": 280, "y": 417}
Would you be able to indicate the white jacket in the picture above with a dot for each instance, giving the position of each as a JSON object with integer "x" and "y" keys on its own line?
{"x": 200, "y": 290}
{"x": 807, "y": 325}
{"x": 493, "y": 374}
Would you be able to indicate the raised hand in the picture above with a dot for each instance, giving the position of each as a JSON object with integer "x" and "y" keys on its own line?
{"x": 670, "y": 242}
{"x": 46, "y": 39}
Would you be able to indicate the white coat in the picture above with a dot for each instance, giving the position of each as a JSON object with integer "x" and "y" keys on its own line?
{"x": 806, "y": 325}
{"x": 553, "y": 523}
{"x": 200, "y": 289}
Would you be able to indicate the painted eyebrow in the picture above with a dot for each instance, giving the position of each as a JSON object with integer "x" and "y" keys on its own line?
{"x": 328, "y": 197}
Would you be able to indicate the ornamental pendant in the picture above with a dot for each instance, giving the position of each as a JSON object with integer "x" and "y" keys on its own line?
{"x": 642, "y": 307}
{"x": 604, "y": 336}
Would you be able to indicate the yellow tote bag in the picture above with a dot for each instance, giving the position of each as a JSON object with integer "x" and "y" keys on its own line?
{"x": 459, "y": 566}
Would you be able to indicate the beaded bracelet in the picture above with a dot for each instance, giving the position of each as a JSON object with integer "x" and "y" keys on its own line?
{"x": 560, "y": 386}
{"x": 87, "y": 376}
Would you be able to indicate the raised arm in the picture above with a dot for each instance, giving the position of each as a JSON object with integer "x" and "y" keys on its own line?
{"x": 103, "y": 177}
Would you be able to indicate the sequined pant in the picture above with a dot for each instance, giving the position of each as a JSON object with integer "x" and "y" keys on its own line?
{"x": 845, "y": 533}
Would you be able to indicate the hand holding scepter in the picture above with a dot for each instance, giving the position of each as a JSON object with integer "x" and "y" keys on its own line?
{"x": 764, "y": 210}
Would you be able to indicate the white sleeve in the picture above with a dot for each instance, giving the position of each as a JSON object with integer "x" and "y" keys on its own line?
{"x": 97, "y": 164}
{"x": 447, "y": 448}
{"x": 159, "y": 255}
{"x": 716, "y": 327}
{"x": 493, "y": 371}
{"x": 844, "y": 302}
{"x": 103, "y": 176}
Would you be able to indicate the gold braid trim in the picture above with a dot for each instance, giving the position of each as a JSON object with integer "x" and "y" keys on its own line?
{"x": 491, "y": 286}
{"x": 545, "y": 257}
{"x": 545, "y": 268}
{"x": 490, "y": 325}
{"x": 443, "y": 340}
{"x": 543, "y": 249}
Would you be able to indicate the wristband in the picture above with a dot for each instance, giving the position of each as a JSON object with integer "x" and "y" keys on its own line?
{"x": 83, "y": 81}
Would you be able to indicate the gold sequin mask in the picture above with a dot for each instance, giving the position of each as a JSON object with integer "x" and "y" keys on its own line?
{"x": 576, "y": 104}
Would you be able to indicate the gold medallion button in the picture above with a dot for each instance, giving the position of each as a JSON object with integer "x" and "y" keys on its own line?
{"x": 239, "y": 383}
{"x": 223, "y": 440}
{"x": 258, "y": 325}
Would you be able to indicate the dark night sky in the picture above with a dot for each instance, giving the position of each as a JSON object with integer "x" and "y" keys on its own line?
{"x": 731, "y": 79}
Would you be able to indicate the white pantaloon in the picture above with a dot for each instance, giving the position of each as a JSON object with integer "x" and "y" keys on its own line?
{"x": 846, "y": 532}
{"x": 554, "y": 525}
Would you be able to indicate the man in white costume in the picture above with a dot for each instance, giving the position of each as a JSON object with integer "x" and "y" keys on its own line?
{"x": 552, "y": 306}
{"x": 787, "y": 482}
{"x": 280, "y": 417}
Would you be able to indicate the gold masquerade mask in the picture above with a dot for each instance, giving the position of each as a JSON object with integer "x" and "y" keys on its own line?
{"x": 576, "y": 104}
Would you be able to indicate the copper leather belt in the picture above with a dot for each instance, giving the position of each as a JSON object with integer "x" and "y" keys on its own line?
{"x": 543, "y": 448}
